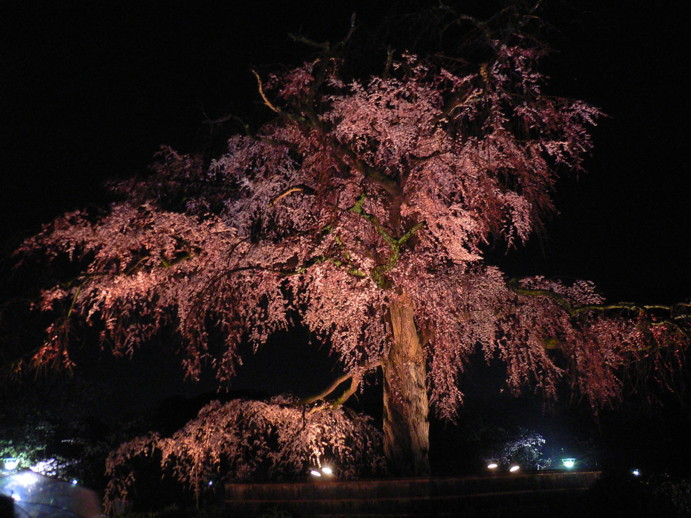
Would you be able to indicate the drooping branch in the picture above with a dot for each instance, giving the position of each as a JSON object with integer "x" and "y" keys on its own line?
{"x": 241, "y": 439}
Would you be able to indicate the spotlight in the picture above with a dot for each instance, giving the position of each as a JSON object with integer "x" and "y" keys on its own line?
{"x": 10, "y": 463}
{"x": 568, "y": 463}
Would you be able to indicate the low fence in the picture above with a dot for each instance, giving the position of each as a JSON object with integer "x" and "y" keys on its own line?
{"x": 536, "y": 494}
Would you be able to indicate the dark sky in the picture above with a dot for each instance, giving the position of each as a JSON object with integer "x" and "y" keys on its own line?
{"x": 90, "y": 89}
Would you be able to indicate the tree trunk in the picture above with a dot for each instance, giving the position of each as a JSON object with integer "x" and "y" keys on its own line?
{"x": 406, "y": 408}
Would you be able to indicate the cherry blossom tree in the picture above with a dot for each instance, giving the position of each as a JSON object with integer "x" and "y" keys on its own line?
{"x": 363, "y": 210}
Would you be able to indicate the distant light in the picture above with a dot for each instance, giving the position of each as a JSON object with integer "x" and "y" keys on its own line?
{"x": 568, "y": 463}
{"x": 636, "y": 472}
{"x": 210, "y": 483}
{"x": 492, "y": 465}
{"x": 514, "y": 468}
{"x": 75, "y": 481}
{"x": 315, "y": 473}
{"x": 327, "y": 470}
{"x": 10, "y": 463}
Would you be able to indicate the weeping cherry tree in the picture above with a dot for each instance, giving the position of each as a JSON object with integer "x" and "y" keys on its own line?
{"x": 362, "y": 210}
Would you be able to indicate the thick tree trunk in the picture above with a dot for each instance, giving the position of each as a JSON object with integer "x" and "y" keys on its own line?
{"x": 406, "y": 408}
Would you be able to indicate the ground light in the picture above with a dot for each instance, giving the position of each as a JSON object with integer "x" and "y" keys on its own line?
{"x": 10, "y": 463}
{"x": 324, "y": 471}
{"x": 568, "y": 463}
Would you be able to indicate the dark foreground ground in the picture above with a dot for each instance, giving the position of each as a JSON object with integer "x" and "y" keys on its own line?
{"x": 527, "y": 495}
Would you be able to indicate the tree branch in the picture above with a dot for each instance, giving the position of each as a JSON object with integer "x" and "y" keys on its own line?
{"x": 678, "y": 315}
{"x": 298, "y": 188}
{"x": 339, "y": 151}
{"x": 574, "y": 310}
{"x": 395, "y": 244}
{"x": 354, "y": 384}
{"x": 328, "y": 390}
{"x": 354, "y": 377}
{"x": 559, "y": 299}
{"x": 260, "y": 86}
{"x": 325, "y": 46}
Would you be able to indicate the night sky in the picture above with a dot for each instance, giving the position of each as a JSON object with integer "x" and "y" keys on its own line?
{"x": 89, "y": 90}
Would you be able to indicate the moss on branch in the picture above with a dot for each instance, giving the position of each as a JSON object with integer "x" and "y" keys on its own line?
{"x": 395, "y": 244}
{"x": 676, "y": 315}
{"x": 575, "y": 310}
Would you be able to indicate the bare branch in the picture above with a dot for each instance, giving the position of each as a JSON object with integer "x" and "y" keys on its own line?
{"x": 266, "y": 100}
{"x": 328, "y": 390}
{"x": 325, "y": 46}
{"x": 354, "y": 376}
{"x": 354, "y": 384}
{"x": 298, "y": 188}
